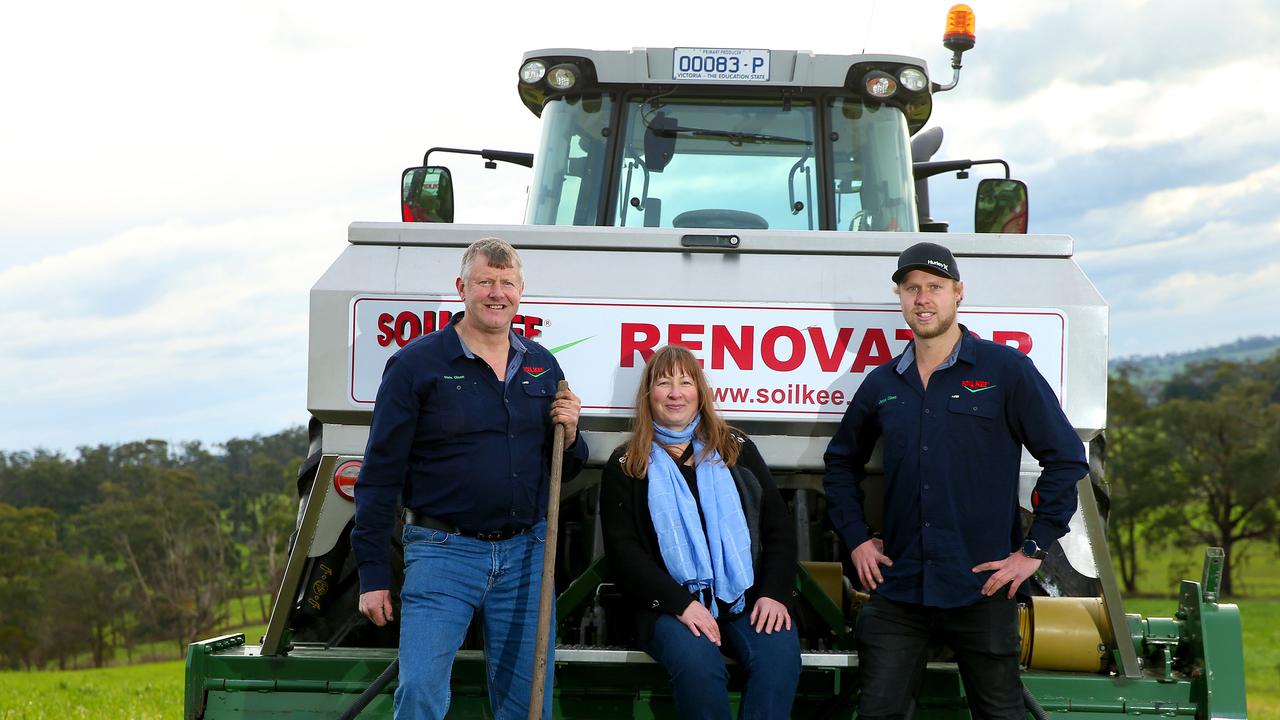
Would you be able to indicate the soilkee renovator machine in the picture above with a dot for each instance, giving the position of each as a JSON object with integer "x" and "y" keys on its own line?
{"x": 748, "y": 204}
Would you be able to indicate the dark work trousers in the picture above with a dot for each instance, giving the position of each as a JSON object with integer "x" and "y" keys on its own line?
{"x": 893, "y": 640}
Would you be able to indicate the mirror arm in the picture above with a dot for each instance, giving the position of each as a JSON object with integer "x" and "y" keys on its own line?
{"x": 922, "y": 170}
{"x": 490, "y": 156}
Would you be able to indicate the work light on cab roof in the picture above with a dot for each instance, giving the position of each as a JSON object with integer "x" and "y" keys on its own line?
{"x": 533, "y": 71}
{"x": 913, "y": 79}
{"x": 563, "y": 77}
{"x": 880, "y": 84}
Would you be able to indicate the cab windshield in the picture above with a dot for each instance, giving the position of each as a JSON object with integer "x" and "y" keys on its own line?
{"x": 741, "y": 163}
{"x": 753, "y": 163}
{"x": 718, "y": 163}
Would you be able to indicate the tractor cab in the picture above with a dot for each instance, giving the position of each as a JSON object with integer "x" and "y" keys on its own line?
{"x": 728, "y": 138}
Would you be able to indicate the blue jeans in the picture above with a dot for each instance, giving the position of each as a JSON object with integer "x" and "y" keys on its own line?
{"x": 893, "y": 645}
{"x": 447, "y": 579}
{"x": 699, "y": 679}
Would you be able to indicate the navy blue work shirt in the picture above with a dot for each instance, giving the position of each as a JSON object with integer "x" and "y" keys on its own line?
{"x": 952, "y": 454}
{"x": 452, "y": 441}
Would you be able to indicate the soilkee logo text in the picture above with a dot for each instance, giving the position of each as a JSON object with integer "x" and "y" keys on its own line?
{"x": 406, "y": 326}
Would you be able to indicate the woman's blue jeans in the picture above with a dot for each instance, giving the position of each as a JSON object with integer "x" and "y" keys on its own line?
{"x": 447, "y": 579}
{"x": 700, "y": 680}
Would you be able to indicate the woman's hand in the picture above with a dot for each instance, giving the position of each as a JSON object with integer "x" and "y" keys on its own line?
{"x": 769, "y": 616}
{"x": 698, "y": 619}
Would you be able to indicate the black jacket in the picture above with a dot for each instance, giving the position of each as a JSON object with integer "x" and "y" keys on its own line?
{"x": 632, "y": 544}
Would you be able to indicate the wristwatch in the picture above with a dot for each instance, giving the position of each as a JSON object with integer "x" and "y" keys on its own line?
{"x": 1033, "y": 550}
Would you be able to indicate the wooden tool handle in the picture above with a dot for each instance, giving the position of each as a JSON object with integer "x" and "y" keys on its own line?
{"x": 543, "y": 636}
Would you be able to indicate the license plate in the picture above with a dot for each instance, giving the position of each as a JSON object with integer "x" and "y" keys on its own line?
{"x": 720, "y": 65}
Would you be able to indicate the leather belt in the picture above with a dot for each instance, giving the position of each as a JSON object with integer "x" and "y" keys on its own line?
{"x": 414, "y": 517}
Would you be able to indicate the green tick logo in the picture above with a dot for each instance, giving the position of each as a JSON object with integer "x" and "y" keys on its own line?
{"x": 566, "y": 346}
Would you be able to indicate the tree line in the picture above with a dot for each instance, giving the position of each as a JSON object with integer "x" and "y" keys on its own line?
{"x": 141, "y": 542}
{"x": 1193, "y": 461}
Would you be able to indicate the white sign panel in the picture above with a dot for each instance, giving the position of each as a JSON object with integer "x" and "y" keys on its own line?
{"x": 777, "y": 361}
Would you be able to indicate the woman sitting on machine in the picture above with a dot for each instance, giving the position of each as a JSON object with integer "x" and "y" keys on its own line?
{"x": 703, "y": 546}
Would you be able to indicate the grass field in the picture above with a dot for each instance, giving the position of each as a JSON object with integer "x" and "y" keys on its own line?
{"x": 1257, "y": 574}
{"x": 141, "y": 691}
{"x": 148, "y": 691}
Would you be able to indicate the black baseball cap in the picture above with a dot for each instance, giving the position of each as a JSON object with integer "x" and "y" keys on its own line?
{"x": 929, "y": 257}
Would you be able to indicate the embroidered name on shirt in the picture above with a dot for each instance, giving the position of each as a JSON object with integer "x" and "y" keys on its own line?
{"x": 535, "y": 371}
{"x": 974, "y": 386}
{"x": 884, "y": 400}
{"x": 453, "y": 377}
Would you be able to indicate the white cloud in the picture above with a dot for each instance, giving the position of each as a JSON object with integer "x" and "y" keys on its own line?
{"x": 1193, "y": 309}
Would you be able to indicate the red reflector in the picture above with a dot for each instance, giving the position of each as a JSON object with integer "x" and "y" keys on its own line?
{"x": 344, "y": 480}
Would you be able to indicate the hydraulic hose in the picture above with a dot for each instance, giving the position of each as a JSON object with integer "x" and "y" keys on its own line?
{"x": 1033, "y": 705}
{"x": 375, "y": 688}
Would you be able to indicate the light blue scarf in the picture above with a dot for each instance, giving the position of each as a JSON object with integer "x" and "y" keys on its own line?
{"x": 720, "y": 559}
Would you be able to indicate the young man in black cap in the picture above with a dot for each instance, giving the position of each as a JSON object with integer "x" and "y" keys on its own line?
{"x": 955, "y": 412}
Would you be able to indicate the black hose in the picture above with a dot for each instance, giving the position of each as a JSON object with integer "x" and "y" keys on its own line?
{"x": 1033, "y": 705}
{"x": 372, "y": 691}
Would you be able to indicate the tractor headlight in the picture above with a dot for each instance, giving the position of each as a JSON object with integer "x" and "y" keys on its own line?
{"x": 880, "y": 84}
{"x": 913, "y": 79}
{"x": 562, "y": 77}
{"x": 532, "y": 71}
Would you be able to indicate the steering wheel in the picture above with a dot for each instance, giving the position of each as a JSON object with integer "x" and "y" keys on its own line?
{"x": 720, "y": 218}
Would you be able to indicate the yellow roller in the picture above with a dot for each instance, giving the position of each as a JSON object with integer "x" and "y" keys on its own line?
{"x": 1064, "y": 633}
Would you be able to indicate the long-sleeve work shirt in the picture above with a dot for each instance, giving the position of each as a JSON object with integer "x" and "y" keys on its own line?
{"x": 452, "y": 441}
{"x": 952, "y": 454}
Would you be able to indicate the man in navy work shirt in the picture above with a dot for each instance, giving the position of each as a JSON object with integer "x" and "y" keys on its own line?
{"x": 462, "y": 439}
{"x": 954, "y": 412}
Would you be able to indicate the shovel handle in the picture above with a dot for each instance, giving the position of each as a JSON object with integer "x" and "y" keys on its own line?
{"x": 543, "y": 637}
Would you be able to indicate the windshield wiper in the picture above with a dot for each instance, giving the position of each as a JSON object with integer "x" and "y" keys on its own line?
{"x": 734, "y": 138}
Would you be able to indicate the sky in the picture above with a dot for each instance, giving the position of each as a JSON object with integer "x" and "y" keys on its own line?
{"x": 174, "y": 176}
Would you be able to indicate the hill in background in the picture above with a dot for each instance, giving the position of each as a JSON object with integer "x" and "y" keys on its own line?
{"x": 1157, "y": 369}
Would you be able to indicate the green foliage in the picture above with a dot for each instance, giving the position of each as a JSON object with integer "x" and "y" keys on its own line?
{"x": 1199, "y": 467}
{"x": 137, "y": 542}
{"x": 1133, "y": 474}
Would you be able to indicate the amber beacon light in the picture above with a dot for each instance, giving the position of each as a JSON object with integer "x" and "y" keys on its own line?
{"x": 957, "y": 38}
{"x": 959, "y": 35}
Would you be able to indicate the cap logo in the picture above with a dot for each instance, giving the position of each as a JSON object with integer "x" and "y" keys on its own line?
{"x": 939, "y": 264}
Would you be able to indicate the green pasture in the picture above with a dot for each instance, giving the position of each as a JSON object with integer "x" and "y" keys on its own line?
{"x": 1256, "y": 575}
{"x": 145, "y": 691}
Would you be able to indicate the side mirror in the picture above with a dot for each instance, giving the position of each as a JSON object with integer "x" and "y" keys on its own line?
{"x": 1001, "y": 206}
{"x": 426, "y": 195}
